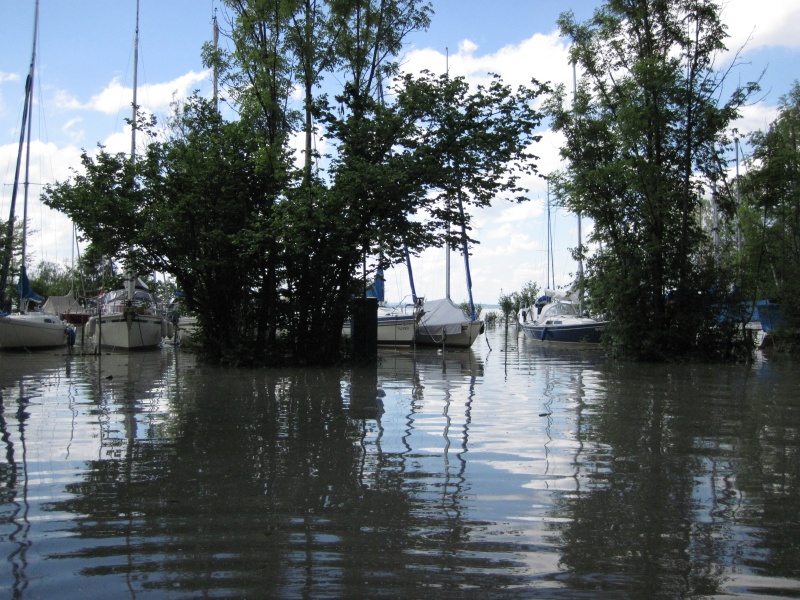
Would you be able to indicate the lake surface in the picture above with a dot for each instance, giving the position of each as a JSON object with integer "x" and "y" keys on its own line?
{"x": 512, "y": 470}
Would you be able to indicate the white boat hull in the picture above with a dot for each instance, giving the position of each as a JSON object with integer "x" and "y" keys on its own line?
{"x": 396, "y": 331}
{"x": 470, "y": 330}
{"x": 32, "y": 330}
{"x": 392, "y": 330}
{"x": 127, "y": 331}
{"x": 444, "y": 324}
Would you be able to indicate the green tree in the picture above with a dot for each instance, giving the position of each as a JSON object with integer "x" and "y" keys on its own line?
{"x": 51, "y": 279}
{"x": 770, "y": 215}
{"x": 12, "y": 254}
{"x": 261, "y": 244}
{"x": 506, "y": 302}
{"x": 644, "y": 137}
{"x": 195, "y": 212}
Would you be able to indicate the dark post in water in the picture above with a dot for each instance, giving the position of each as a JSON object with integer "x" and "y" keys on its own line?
{"x": 365, "y": 328}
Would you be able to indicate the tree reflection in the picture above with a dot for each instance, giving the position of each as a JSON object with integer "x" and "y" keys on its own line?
{"x": 281, "y": 483}
{"x": 666, "y": 506}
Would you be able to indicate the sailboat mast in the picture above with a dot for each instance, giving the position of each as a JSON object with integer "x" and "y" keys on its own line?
{"x": 135, "y": 73}
{"x": 466, "y": 256}
{"x": 578, "y": 214}
{"x": 550, "y": 271}
{"x": 447, "y": 243}
{"x": 27, "y": 178}
{"x": 9, "y": 249}
{"x": 131, "y": 286}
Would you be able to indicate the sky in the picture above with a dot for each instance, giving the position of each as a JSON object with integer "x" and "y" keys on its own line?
{"x": 83, "y": 93}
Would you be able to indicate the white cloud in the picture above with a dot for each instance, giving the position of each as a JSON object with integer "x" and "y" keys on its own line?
{"x": 51, "y": 238}
{"x": 156, "y": 97}
{"x": 73, "y": 131}
{"x": 543, "y": 57}
{"x": 769, "y": 23}
{"x": 517, "y": 213}
{"x": 755, "y": 117}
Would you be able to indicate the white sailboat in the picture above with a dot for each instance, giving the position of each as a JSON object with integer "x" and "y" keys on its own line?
{"x": 27, "y": 330}
{"x": 129, "y": 318}
{"x": 443, "y": 323}
{"x": 557, "y": 315}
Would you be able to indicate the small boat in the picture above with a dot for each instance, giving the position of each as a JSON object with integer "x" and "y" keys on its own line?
{"x": 442, "y": 322}
{"x": 34, "y": 330}
{"x": 396, "y": 325}
{"x": 129, "y": 319}
{"x": 68, "y": 309}
{"x": 557, "y": 318}
{"x": 445, "y": 324}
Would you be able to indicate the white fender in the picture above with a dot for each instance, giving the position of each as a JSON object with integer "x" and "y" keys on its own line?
{"x": 91, "y": 324}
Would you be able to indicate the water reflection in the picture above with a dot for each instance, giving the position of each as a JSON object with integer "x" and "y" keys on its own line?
{"x": 28, "y": 382}
{"x": 522, "y": 471}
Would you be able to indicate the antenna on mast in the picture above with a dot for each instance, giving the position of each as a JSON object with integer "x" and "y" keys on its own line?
{"x": 216, "y": 74}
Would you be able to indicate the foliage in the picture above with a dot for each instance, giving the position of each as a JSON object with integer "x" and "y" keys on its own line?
{"x": 506, "y": 302}
{"x": 12, "y": 254}
{"x": 269, "y": 251}
{"x": 644, "y": 137}
{"x": 464, "y": 306}
{"x": 770, "y": 214}
{"x": 516, "y": 301}
{"x": 51, "y": 279}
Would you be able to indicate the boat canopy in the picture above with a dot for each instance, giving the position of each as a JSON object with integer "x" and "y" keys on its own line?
{"x": 442, "y": 317}
{"x": 58, "y": 305}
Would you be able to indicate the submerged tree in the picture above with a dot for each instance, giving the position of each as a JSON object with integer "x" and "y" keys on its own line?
{"x": 268, "y": 250}
{"x": 644, "y": 136}
{"x": 770, "y": 215}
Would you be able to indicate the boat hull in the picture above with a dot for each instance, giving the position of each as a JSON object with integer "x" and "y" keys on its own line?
{"x": 32, "y": 330}
{"x": 128, "y": 331}
{"x": 392, "y": 330}
{"x": 396, "y": 330}
{"x": 470, "y": 330}
{"x": 578, "y": 333}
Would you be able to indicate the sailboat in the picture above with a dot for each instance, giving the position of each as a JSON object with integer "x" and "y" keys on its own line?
{"x": 129, "y": 318}
{"x": 442, "y": 322}
{"x": 27, "y": 330}
{"x": 557, "y": 315}
{"x": 396, "y": 324}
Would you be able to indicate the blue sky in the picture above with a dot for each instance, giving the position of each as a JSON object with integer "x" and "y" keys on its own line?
{"x": 85, "y": 73}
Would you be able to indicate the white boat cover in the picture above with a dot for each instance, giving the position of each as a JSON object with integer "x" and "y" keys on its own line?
{"x": 59, "y": 305}
{"x": 568, "y": 295}
{"x": 442, "y": 316}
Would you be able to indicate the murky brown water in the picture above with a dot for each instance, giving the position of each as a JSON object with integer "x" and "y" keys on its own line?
{"x": 511, "y": 472}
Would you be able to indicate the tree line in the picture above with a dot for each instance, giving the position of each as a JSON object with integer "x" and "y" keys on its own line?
{"x": 270, "y": 246}
{"x": 648, "y": 152}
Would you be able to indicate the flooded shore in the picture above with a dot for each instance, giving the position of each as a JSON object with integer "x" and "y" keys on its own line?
{"x": 511, "y": 470}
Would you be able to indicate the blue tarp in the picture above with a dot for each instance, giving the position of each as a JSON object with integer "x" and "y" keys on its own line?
{"x": 376, "y": 289}
{"x": 24, "y": 288}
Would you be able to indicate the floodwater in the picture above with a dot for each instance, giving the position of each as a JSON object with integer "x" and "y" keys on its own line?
{"x": 512, "y": 470}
